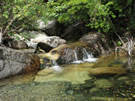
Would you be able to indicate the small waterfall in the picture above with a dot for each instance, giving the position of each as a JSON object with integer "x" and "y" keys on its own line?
{"x": 75, "y": 54}
{"x": 56, "y": 67}
{"x": 88, "y": 57}
{"x": 76, "y": 58}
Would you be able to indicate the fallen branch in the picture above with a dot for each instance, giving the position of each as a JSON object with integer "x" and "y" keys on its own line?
{"x": 128, "y": 46}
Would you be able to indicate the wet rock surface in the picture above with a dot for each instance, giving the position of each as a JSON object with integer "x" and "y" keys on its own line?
{"x": 67, "y": 53}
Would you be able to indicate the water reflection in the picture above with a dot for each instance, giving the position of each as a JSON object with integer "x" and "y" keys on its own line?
{"x": 77, "y": 82}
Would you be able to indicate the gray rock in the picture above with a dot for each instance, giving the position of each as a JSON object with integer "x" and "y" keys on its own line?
{"x": 91, "y": 37}
{"x": 1, "y": 54}
{"x": 97, "y": 45}
{"x": 16, "y": 44}
{"x": 53, "y": 41}
{"x": 19, "y": 44}
{"x": 15, "y": 67}
{"x": 5, "y": 71}
{"x": 53, "y": 28}
{"x": 68, "y": 32}
{"x": 74, "y": 32}
{"x": 1, "y": 64}
{"x": 67, "y": 56}
{"x": 17, "y": 61}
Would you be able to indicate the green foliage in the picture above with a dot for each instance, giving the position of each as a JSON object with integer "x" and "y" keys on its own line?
{"x": 97, "y": 14}
{"x": 17, "y": 15}
{"x": 119, "y": 43}
{"x": 93, "y": 12}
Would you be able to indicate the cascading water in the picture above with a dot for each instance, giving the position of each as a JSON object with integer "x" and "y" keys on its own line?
{"x": 88, "y": 57}
{"x": 76, "y": 58}
{"x": 56, "y": 67}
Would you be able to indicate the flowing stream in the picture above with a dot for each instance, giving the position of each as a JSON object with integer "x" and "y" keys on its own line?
{"x": 107, "y": 79}
{"x": 56, "y": 67}
{"x": 87, "y": 57}
{"x": 76, "y": 58}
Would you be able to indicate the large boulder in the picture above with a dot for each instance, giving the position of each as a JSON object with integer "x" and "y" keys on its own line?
{"x": 98, "y": 45}
{"x": 17, "y": 61}
{"x": 74, "y": 32}
{"x": 52, "y": 41}
{"x": 71, "y": 32}
{"x": 53, "y": 28}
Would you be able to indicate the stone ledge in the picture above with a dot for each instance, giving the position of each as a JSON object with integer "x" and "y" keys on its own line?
{"x": 14, "y": 61}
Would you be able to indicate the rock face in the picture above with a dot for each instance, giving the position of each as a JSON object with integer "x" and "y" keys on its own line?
{"x": 66, "y": 53}
{"x": 68, "y": 32}
{"x": 97, "y": 44}
{"x": 17, "y": 61}
{"x": 52, "y": 41}
{"x": 53, "y": 28}
{"x": 74, "y": 32}
{"x": 15, "y": 44}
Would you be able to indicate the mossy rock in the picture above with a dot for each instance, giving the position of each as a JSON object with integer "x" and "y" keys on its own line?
{"x": 103, "y": 83}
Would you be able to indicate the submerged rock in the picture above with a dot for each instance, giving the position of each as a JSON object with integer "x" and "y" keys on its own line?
{"x": 108, "y": 71}
{"x": 71, "y": 73}
{"x": 103, "y": 83}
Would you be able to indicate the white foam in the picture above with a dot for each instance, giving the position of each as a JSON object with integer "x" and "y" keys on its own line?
{"x": 56, "y": 67}
{"x": 90, "y": 60}
{"x": 78, "y": 62}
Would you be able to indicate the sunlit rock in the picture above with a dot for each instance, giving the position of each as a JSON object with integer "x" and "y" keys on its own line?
{"x": 53, "y": 41}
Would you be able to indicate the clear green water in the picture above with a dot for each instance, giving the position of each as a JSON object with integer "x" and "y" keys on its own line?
{"x": 77, "y": 82}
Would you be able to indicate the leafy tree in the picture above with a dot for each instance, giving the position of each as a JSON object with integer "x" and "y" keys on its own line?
{"x": 16, "y": 15}
{"x": 93, "y": 12}
{"x": 97, "y": 14}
